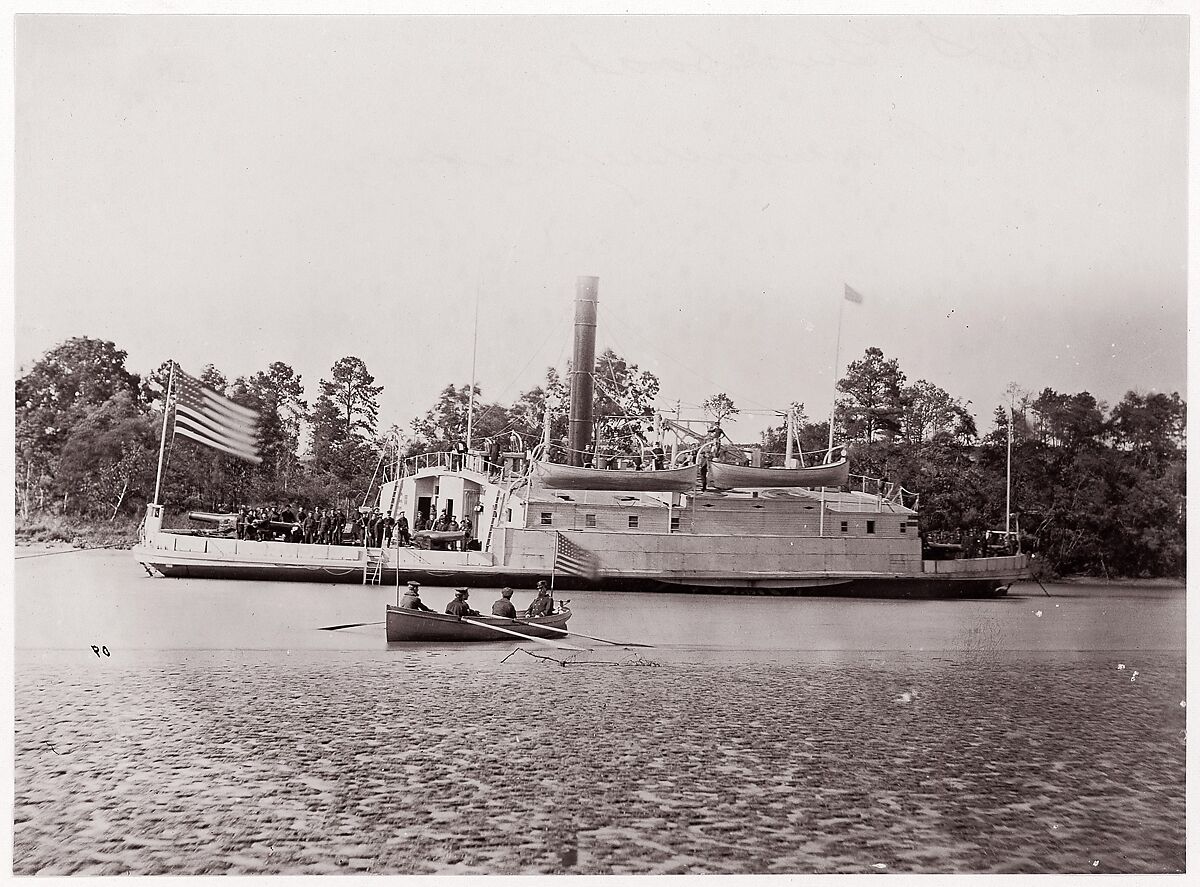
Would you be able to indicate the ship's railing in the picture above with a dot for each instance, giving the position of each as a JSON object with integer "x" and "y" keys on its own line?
{"x": 883, "y": 491}
{"x": 449, "y": 460}
{"x": 766, "y": 459}
{"x": 511, "y": 466}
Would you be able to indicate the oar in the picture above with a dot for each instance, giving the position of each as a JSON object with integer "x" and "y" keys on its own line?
{"x": 588, "y": 636}
{"x": 527, "y": 637}
{"x": 347, "y": 625}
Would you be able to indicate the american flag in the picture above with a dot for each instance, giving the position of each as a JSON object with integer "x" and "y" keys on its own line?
{"x": 215, "y": 421}
{"x": 853, "y": 295}
{"x": 572, "y": 559}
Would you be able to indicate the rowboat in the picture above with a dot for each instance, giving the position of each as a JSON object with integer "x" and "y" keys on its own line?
{"x": 416, "y": 625}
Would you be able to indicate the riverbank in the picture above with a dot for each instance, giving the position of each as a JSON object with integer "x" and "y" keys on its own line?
{"x": 50, "y": 530}
{"x": 1159, "y": 582}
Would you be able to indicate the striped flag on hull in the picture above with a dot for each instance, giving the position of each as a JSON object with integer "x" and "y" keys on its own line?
{"x": 571, "y": 559}
{"x": 215, "y": 421}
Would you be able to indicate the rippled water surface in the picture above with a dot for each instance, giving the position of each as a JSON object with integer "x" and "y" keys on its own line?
{"x": 224, "y": 732}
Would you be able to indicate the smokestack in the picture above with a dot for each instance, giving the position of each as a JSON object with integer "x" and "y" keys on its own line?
{"x": 583, "y": 362}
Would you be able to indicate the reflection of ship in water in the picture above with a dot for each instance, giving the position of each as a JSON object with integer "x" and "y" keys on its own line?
{"x": 705, "y": 525}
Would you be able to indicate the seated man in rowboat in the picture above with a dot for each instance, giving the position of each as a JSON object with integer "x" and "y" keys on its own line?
{"x": 458, "y": 607}
{"x": 543, "y": 604}
{"x": 504, "y": 607}
{"x": 412, "y": 599}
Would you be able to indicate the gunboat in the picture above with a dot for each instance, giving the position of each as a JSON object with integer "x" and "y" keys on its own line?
{"x": 803, "y": 530}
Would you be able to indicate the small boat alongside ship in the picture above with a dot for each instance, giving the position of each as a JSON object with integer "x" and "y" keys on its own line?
{"x": 404, "y": 625}
{"x": 719, "y": 527}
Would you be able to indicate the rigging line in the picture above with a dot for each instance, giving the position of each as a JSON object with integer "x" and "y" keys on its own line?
{"x": 507, "y": 428}
{"x": 558, "y": 360}
{"x": 612, "y": 375}
{"x": 676, "y": 360}
{"x": 629, "y": 329}
{"x": 512, "y": 381}
{"x": 627, "y": 416}
{"x": 553, "y": 329}
{"x": 668, "y": 406}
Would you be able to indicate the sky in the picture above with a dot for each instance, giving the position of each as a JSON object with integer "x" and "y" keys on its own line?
{"x": 1008, "y": 194}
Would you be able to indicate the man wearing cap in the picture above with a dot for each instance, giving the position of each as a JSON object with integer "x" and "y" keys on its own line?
{"x": 659, "y": 455}
{"x": 543, "y": 604}
{"x": 412, "y": 599}
{"x": 504, "y": 607}
{"x": 458, "y": 607}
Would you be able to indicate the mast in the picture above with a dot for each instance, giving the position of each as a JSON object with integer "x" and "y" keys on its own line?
{"x": 583, "y": 364}
{"x": 471, "y": 396}
{"x": 787, "y": 459}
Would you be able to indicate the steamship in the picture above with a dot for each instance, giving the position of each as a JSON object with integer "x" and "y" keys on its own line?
{"x": 736, "y": 528}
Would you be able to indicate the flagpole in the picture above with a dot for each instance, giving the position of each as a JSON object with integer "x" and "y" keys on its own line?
{"x": 837, "y": 348}
{"x": 471, "y": 398}
{"x": 1008, "y": 475}
{"x": 162, "y": 443}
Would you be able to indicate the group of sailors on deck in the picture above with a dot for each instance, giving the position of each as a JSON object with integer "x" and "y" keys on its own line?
{"x": 321, "y": 526}
{"x": 334, "y": 526}
{"x": 541, "y": 605}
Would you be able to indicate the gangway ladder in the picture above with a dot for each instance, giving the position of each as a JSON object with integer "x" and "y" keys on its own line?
{"x": 497, "y": 501}
{"x": 373, "y": 566}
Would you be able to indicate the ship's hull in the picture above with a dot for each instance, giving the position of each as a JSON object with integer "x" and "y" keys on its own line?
{"x": 968, "y": 578}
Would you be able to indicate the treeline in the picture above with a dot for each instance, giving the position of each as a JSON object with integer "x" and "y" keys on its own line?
{"x": 88, "y": 431}
{"x": 1095, "y": 490}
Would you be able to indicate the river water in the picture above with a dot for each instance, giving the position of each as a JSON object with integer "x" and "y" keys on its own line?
{"x": 216, "y": 729}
